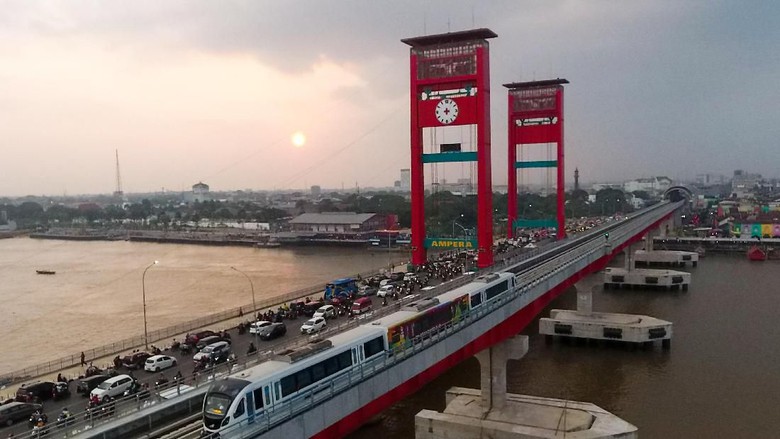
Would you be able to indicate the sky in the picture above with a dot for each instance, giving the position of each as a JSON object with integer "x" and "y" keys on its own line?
{"x": 194, "y": 90}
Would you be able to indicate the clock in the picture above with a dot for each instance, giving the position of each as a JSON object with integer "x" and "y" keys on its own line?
{"x": 446, "y": 111}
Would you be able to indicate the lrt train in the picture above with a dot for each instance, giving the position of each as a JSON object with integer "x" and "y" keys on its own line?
{"x": 246, "y": 397}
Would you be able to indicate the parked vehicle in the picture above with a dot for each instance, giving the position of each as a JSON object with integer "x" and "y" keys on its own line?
{"x": 255, "y": 327}
{"x": 272, "y": 331}
{"x": 361, "y": 305}
{"x": 326, "y": 311}
{"x": 213, "y": 353}
{"x": 35, "y": 392}
{"x": 16, "y": 411}
{"x": 158, "y": 363}
{"x": 112, "y": 387}
{"x": 85, "y": 385}
{"x": 136, "y": 360}
{"x": 386, "y": 290}
{"x": 310, "y": 308}
{"x": 313, "y": 325}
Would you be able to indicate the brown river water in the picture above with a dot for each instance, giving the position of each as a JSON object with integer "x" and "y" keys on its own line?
{"x": 721, "y": 378}
{"x": 95, "y": 297}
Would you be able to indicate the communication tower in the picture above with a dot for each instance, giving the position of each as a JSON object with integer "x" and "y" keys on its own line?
{"x": 118, "y": 192}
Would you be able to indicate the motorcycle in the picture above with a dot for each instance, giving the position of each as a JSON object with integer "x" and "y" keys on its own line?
{"x": 65, "y": 419}
{"x": 161, "y": 381}
{"x": 37, "y": 418}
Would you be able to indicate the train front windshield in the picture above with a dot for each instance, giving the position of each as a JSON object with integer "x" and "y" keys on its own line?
{"x": 218, "y": 400}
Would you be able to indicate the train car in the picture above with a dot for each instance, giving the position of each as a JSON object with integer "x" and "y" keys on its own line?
{"x": 419, "y": 317}
{"x": 247, "y": 395}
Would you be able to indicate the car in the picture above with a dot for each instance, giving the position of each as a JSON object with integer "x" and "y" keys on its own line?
{"x": 214, "y": 353}
{"x": 313, "y": 325}
{"x": 85, "y": 385}
{"x": 361, "y": 305}
{"x": 192, "y": 339}
{"x": 272, "y": 331}
{"x": 255, "y": 327}
{"x": 135, "y": 360}
{"x": 16, "y": 411}
{"x": 157, "y": 363}
{"x": 112, "y": 387}
{"x": 310, "y": 308}
{"x": 386, "y": 290}
{"x": 35, "y": 392}
{"x": 366, "y": 291}
{"x": 209, "y": 340}
{"x": 326, "y": 311}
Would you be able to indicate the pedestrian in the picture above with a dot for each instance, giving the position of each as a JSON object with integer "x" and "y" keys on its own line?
{"x": 83, "y": 359}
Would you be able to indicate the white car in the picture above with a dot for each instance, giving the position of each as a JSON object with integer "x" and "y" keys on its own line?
{"x": 386, "y": 290}
{"x": 313, "y": 325}
{"x": 254, "y": 328}
{"x": 325, "y": 311}
{"x": 112, "y": 387}
{"x": 157, "y": 363}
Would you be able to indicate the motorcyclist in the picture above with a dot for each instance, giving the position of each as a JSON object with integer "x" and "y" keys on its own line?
{"x": 252, "y": 349}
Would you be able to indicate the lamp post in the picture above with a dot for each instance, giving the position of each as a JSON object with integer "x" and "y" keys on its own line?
{"x": 465, "y": 232}
{"x": 254, "y": 304}
{"x": 143, "y": 292}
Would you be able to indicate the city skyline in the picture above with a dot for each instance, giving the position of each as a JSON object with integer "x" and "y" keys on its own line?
{"x": 196, "y": 91}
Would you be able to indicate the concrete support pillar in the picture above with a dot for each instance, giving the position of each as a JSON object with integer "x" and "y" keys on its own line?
{"x": 492, "y": 362}
{"x": 649, "y": 241}
{"x": 628, "y": 260}
{"x": 584, "y": 300}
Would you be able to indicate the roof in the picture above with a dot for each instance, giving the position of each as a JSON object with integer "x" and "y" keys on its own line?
{"x": 332, "y": 218}
{"x": 450, "y": 37}
{"x": 531, "y": 84}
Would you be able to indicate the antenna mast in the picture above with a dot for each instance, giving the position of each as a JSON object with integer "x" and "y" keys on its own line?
{"x": 118, "y": 192}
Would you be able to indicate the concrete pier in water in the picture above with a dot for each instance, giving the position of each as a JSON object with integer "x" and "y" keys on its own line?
{"x": 493, "y": 413}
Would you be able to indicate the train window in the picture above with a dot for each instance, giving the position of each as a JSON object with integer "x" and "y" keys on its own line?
{"x": 345, "y": 360}
{"x": 303, "y": 378}
{"x": 476, "y": 299}
{"x": 331, "y": 366}
{"x": 267, "y": 395}
{"x": 288, "y": 385}
{"x": 239, "y": 409}
{"x": 495, "y": 290}
{"x": 373, "y": 347}
{"x": 318, "y": 371}
{"x": 258, "y": 394}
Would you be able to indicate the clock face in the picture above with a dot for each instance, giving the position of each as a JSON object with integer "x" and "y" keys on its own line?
{"x": 446, "y": 111}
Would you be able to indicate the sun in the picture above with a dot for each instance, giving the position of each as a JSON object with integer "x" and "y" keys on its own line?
{"x": 298, "y": 139}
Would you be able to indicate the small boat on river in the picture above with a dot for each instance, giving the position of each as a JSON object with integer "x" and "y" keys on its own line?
{"x": 45, "y": 272}
{"x": 756, "y": 253}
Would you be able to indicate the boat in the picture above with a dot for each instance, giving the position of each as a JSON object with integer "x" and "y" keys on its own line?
{"x": 756, "y": 253}
{"x": 45, "y": 272}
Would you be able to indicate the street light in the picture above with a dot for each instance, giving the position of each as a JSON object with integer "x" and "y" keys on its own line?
{"x": 252, "y": 286}
{"x": 143, "y": 292}
{"x": 465, "y": 232}
{"x": 254, "y": 304}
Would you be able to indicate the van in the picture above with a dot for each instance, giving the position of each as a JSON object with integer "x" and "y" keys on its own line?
{"x": 35, "y": 392}
{"x": 361, "y": 305}
{"x": 112, "y": 387}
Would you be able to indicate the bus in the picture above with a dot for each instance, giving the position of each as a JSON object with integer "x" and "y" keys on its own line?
{"x": 340, "y": 288}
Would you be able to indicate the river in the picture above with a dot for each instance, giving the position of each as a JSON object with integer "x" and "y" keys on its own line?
{"x": 719, "y": 380}
{"x": 95, "y": 297}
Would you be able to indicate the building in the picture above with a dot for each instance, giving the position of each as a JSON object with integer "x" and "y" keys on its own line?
{"x": 652, "y": 185}
{"x": 406, "y": 180}
{"x": 338, "y": 222}
{"x": 316, "y": 191}
{"x": 743, "y": 184}
{"x": 200, "y": 192}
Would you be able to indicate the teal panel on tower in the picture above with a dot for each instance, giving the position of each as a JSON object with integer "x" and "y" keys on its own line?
{"x": 535, "y": 224}
{"x": 444, "y": 157}
{"x": 537, "y": 164}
